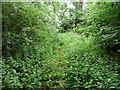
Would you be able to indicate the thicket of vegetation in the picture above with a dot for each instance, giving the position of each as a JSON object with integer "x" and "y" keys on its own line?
{"x": 48, "y": 45}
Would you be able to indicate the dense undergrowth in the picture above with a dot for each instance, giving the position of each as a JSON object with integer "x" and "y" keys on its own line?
{"x": 37, "y": 55}
{"x": 78, "y": 62}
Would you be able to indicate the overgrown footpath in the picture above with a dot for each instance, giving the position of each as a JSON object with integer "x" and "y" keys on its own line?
{"x": 76, "y": 62}
{"x": 38, "y": 53}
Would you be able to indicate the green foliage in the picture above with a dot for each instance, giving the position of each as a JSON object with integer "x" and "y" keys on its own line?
{"x": 35, "y": 55}
{"x": 110, "y": 36}
{"x": 103, "y": 13}
{"x": 71, "y": 19}
{"x": 101, "y": 20}
{"x": 28, "y": 31}
{"x": 86, "y": 64}
{"x": 24, "y": 23}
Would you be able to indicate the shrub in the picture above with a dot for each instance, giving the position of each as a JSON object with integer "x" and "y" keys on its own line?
{"x": 102, "y": 21}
